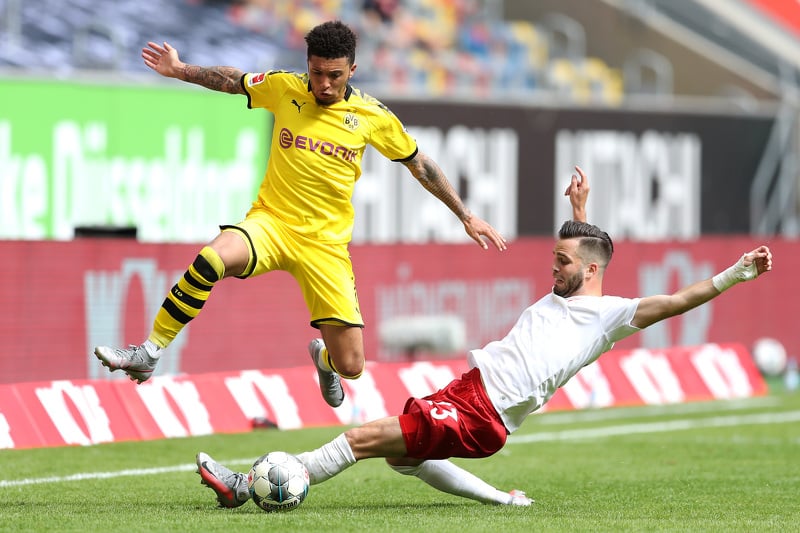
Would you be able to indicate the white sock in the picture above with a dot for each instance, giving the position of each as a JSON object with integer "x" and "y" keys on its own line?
{"x": 328, "y": 460}
{"x": 152, "y": 349}
{"x": 447, "y": 477}
{"x": 325, "y": 360}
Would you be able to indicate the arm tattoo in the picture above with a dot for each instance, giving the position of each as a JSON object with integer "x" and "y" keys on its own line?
{"x": 223, "y": 79}
{"x": 435, "y": 182}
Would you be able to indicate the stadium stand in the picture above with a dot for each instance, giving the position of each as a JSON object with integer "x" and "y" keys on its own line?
{"x": 433, "y": 46}
{"x": 475, "y": 48}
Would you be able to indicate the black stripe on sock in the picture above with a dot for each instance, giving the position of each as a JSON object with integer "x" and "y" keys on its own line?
{"x": 189, "y": 300}
{"x": 205, "y": 269}
{"x": 179, "y": 316}
{"x": 194, "y": 282}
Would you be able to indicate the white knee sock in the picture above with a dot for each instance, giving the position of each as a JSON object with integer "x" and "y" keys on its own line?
{"x": 328, "y": 460}
{"x": 449, "y": 478}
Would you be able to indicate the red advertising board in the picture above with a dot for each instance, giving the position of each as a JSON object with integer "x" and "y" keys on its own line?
{"x": 60, "y": 299}
{"x": 85, "y": 412}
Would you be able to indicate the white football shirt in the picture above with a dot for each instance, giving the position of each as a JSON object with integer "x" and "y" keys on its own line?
{"x": 552, "y": 340}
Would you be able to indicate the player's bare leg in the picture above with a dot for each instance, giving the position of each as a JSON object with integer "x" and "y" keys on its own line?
{"x": 384, "y": 438}
{"x": 341, "y": 353}
{"x": 346, "y": 348}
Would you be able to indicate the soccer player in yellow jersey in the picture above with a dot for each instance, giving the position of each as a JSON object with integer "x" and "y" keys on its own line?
{"x": 302, "y": 219}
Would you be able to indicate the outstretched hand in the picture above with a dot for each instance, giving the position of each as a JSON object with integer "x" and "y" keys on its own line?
{"x": 749, "y": 266}
{"x": 578, "y": 192}
{"x": 163, "y": 59}
{"x": 477, "y": 228}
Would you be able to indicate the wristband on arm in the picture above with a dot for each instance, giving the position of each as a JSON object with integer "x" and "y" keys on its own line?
{"x": 734, "y": 274}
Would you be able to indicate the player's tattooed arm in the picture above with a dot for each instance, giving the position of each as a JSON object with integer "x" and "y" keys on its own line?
{"x": 223, "y": 79}
{"x": 435, "y": 182}
{"x": 431, "y": 176}
{"x": 165, "y": 60}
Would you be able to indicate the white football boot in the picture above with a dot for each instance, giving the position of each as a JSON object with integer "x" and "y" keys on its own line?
{"x": 330, "y": 384}
{"x": 133, "y": 360}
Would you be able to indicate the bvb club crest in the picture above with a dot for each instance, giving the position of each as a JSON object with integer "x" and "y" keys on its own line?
{"x": 351, "y": 121}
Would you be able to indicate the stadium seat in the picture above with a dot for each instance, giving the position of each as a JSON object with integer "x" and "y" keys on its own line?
{"x": 428, "y": 46}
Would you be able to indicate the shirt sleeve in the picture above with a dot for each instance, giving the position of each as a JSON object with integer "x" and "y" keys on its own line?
{"x": 618, "y": 315}
{"x": 264, "y": 89}
{"x": 391, "y": 138}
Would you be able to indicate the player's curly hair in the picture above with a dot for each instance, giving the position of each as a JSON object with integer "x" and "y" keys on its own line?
{"x": 594, "y": 242}
{"x": 332, "y": 40}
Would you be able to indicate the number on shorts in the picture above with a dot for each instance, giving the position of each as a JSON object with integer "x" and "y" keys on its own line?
{"x": 442, "y": 410}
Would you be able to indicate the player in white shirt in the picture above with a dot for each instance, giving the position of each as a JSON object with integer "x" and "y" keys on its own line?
{"x": 510, "y": 378}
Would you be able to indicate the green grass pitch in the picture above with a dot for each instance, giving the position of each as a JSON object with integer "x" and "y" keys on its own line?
{"x": 712, "y": 466}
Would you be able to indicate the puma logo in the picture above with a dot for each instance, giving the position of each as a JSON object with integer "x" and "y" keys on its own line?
{"x": 298, "y": 106}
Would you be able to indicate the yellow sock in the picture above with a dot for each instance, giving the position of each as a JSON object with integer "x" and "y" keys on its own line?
{"x": 187, "y": 297}
{"x": 328, "y": 362}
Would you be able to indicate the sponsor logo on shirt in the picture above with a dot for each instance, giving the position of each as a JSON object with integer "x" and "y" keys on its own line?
{"x": 287, "y": 140}
{"x": 256, "y": 79}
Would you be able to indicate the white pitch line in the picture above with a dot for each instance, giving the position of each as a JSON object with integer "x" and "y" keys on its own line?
{"x": 658, "y": 427}
{"x": 570, "y": 434}
{"x": 106, "y": 475}
{"x": 616, "y": 413}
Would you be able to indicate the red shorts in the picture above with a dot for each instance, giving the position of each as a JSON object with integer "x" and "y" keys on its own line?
{"x": 457, "y": 421}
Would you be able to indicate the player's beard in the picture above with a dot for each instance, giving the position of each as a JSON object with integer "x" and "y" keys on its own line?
{"x": 571, "y": 285}
{"x": 323, "y": 103}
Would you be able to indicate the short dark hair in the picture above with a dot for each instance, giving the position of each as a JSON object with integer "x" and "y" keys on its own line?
{"x": 332, "y": 40}
{"x": 594, "y": 242}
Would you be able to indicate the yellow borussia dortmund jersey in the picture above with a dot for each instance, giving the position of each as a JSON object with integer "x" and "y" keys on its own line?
{"x": 315, "y": 157}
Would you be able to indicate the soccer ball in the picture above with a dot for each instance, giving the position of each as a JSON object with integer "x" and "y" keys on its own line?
{"x": 278, "y": 481}
{"x": 769, "y": 356}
